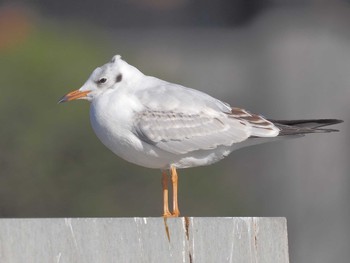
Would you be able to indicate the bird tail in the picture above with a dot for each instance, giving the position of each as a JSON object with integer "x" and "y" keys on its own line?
{"x": 301, "y": 127}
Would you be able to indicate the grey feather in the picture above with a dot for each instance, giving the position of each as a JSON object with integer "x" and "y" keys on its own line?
{"x": 181, "y": 133}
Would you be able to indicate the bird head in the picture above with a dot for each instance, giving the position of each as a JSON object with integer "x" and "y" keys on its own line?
{"x": 109, "y": 76}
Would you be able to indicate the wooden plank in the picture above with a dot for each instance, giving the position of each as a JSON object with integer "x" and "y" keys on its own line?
{"x": 144, "y": 240}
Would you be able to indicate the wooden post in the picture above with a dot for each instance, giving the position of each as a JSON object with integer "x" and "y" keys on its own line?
{"x": 192, "y": 240}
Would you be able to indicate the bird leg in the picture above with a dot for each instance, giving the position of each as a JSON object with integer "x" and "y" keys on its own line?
{"x": 166, "y": 212}
{"x": 174, "y": 180}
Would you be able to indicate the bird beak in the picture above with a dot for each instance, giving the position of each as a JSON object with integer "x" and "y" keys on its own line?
{"x": 74, "y": 95}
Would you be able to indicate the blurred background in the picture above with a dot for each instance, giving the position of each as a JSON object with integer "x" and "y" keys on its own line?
{"x": 285, "y": 59}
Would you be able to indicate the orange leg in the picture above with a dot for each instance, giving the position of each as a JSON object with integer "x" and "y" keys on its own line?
{"x": 166, "y": 212}
{"x": 174, "y": 180}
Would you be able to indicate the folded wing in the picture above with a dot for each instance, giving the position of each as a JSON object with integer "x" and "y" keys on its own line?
{"x": 181, "y": 133}
{"x": 186, "y": 120}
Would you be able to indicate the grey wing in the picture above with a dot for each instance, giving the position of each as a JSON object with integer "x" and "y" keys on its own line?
{"x": 181, "y": 120}
{"x": 180, "y": 133}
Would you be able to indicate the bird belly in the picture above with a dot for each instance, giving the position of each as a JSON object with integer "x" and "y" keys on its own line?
{"x": 202, "y": 157}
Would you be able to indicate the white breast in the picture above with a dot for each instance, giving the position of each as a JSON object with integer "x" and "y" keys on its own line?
{"x": 111, "y": 119}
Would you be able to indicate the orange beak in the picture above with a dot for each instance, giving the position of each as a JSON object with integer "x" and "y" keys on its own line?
{"x": 74, "y": 95}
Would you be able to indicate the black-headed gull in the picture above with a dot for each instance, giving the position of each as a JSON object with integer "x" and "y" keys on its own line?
{"x": 157, "y": 124}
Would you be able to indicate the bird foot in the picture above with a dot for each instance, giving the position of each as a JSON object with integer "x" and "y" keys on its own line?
{"x": 173, "y": 214}
{"x": 167, "y": 214}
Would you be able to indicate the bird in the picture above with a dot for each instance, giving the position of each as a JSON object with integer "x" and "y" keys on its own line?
{"x": 157, "y": 124}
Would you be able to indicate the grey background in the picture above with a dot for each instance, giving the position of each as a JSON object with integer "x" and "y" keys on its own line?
{"x": 283, "y": 59}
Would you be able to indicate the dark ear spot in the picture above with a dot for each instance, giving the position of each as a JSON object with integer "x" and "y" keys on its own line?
{"x": 119, "y": 78}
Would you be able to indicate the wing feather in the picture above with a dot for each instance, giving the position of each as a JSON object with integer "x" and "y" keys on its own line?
{"x": 179, "y": 120}
{"x": 261, "y": 127}
{"x": 181, "y": 133}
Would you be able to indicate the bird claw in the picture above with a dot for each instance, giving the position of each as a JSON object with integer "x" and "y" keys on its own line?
{"x": 173, "y": 214}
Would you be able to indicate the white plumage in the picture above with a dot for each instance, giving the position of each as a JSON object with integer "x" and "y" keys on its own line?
{"x": 157, "y": 124}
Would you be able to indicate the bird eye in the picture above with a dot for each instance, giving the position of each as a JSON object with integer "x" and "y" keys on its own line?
{"x": 102, "y": 80}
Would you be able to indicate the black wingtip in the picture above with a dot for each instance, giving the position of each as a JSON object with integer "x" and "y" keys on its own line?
{"x": 294, "y": 127}
{"x": 326, "y": 122}
{"x": 315, "y": 123}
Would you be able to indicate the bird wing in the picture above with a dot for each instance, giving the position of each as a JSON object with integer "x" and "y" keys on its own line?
{"x": 260, "y": 126}
{"x": 180, "y": 133}
{"x": 181, "y": 120}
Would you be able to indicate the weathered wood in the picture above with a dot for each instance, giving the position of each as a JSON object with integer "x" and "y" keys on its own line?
{"x": 192, "y": 239}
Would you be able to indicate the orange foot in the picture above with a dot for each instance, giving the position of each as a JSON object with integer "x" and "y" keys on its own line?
{"x": 174, "y": 180}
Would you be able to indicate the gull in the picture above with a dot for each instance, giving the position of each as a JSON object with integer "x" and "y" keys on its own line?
{"x": 157, "y": 124}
